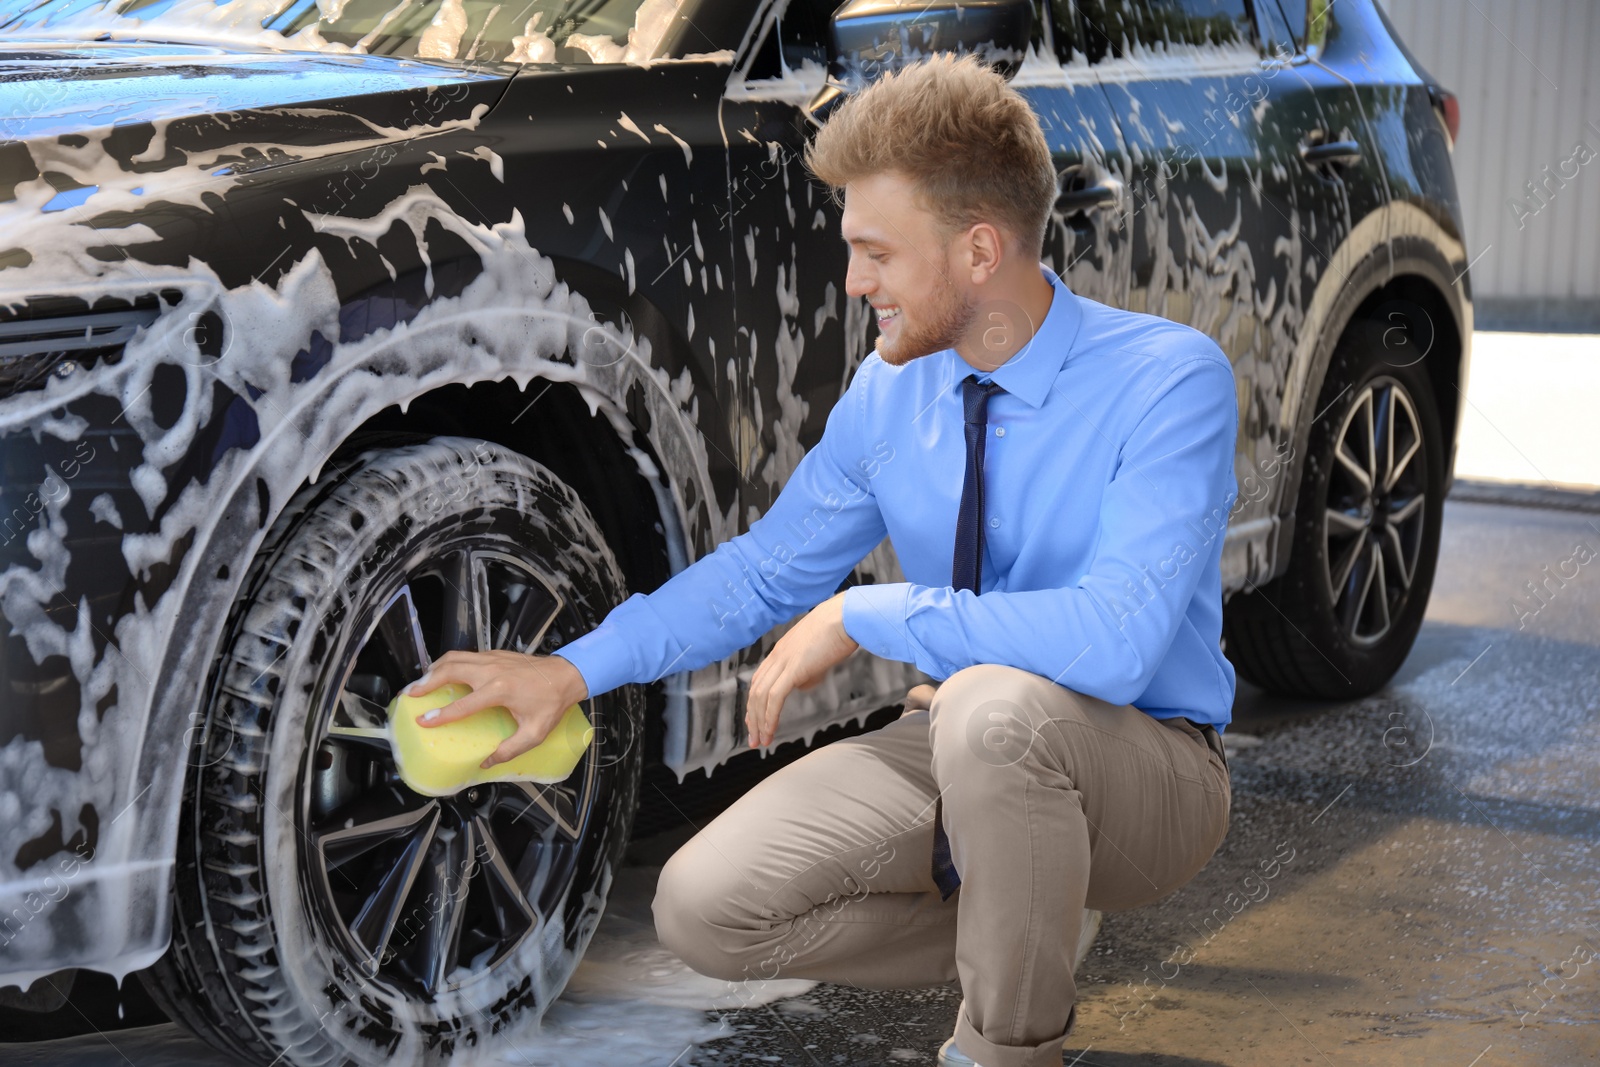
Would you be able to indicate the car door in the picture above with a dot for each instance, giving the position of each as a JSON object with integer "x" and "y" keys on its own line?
{"x": 1218, "y": 237}
{"x": 1335, "y": 122}
{"x": 798, "y": 337}
{"x": 1088, "y": 240}
{"x": 794, "y": 350}
{"x": 1313, "y": 120}
{"x": 785, "y": 230}
{"x": 618, "y": 172}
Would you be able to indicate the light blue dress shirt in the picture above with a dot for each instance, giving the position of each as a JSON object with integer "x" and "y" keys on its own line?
{"x": 1108, "y": 480}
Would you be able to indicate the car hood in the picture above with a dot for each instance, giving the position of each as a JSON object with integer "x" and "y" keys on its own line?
{"x": 52, "y": 88}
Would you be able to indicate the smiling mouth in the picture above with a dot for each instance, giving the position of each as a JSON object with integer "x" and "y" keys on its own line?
{"x": 887, "y": 314}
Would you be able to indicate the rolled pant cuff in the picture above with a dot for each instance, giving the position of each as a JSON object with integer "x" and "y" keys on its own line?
{"x": 988, "y": 1054}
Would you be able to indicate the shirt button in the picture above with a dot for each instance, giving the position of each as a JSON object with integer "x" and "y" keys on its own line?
{"x": 999, "y": 431}
{"x": 994, "y": 524}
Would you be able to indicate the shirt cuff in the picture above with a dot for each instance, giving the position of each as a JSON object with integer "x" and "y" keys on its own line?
{"x": 875, "y": 619}
{"x": 603, "y": 657}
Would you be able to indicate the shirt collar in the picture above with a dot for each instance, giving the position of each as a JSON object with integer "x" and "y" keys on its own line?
{"x": 1031, "y": 373}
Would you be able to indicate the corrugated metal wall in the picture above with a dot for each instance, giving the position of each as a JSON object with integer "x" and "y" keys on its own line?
{"x": 1527, "y": 73}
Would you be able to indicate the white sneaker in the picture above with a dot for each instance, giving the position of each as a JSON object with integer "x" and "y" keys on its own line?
{"x": 950, "y": 1056}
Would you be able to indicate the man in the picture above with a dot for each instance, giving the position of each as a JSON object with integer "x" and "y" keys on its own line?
{"x": 1055, "y": 476}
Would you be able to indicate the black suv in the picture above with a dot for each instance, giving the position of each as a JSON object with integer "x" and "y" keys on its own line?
{"x": 334, "y": 335}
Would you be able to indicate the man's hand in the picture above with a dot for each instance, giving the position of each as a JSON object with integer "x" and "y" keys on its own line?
{"x": 801, "y": 658}
{"x": 537, "y": 690}
{"x": 918, "y": 698}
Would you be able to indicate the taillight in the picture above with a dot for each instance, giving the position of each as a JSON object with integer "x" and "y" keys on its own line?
{"x": 1449, "y": 109}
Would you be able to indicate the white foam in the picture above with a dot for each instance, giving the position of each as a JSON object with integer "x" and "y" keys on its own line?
{"x": 240, "y": 22}
{"x": 630, "y": 1002}
{"x": 533, "y": 46}
{"x": 632, "y": 127}
{"x": 442, "y": 38}
{"x": 650, "y": 24}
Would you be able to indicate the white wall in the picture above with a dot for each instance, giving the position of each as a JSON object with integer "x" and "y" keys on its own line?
{"x": 1527, "y": 73}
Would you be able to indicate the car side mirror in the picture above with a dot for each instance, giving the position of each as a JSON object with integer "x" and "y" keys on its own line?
{"x": 868, "y": 38}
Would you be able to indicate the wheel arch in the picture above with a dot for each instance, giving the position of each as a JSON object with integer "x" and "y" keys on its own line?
{"x": 1398, "y": 266}
{"x": 632, "y": 416}
{"x": 544, "y": 420}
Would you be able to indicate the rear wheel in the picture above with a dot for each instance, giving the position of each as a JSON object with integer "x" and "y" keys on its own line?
{"x": 324, "y": 912}
{"x": 1341, "y": 620}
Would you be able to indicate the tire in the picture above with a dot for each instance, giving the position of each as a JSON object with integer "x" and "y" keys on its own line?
{"x": 322, "y": 912}
{"x": 1295, "y": 635}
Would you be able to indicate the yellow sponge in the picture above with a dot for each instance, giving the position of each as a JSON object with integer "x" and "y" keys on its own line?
{"x": 441, "y": 760}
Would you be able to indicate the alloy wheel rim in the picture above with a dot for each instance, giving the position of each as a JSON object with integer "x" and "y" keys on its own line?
{"x": 1374, "y": 515}
{"x": 423, "y": 892}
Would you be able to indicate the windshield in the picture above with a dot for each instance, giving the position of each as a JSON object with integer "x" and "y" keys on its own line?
{"x": 516, "y": 31}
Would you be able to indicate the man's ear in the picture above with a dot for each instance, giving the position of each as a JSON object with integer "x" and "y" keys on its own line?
{"x": 986, "y": 251}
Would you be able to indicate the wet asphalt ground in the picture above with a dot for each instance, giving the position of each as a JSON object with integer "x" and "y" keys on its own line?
{"x": 1408, "y": 879}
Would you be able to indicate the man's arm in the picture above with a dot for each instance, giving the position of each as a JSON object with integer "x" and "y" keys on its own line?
{"x": 1164, "y": 507}
{"x": 824, "y": 521}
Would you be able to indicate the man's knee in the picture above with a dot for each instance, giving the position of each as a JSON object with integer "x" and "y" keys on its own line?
{"x": 990, "y": 715}
{"x": 699, "y": 918}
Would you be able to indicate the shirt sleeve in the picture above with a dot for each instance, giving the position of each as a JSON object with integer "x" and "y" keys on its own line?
{"x": 1162, "y": 518}
{"x": 824, "y": 521}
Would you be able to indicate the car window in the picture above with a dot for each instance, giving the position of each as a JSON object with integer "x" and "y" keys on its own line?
{"x": 1317, "y": 25}
{"x": 797, "y": 40}
{"x": 518, "y": 31}
{"x": 1283, "y": 24}
{"x": 1117, "y": 28}
{"x": 803, "y": 32}
{"x": 529, "y": 31}
{"x": 801, "y": 35}
{"x": 1066, "y": 29}
{"x": 1051, "y": 30}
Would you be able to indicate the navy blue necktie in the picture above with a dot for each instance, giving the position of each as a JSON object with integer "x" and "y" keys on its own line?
{"x": 966, "y": 572}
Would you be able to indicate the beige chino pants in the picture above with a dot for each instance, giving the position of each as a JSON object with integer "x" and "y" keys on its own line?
{"x": 1053, "y": 801}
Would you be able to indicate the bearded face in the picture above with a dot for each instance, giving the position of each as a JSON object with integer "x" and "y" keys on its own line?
{"x": 912, "y": 324}
{"x": 901, "y": 260}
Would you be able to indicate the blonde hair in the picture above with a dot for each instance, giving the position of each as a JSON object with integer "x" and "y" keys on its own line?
{"x": 966, "y": 139}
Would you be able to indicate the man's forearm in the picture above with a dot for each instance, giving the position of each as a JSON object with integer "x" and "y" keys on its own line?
{"x": 824, "y": 521}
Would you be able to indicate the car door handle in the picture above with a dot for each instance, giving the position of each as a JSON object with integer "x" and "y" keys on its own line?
{"x": 1347, "y": 152}
{"x": 1105, "y": 192}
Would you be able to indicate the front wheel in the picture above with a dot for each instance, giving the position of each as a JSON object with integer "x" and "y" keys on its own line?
{"x": 1341, "y": 620}
{"x": 324, "y": 912}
